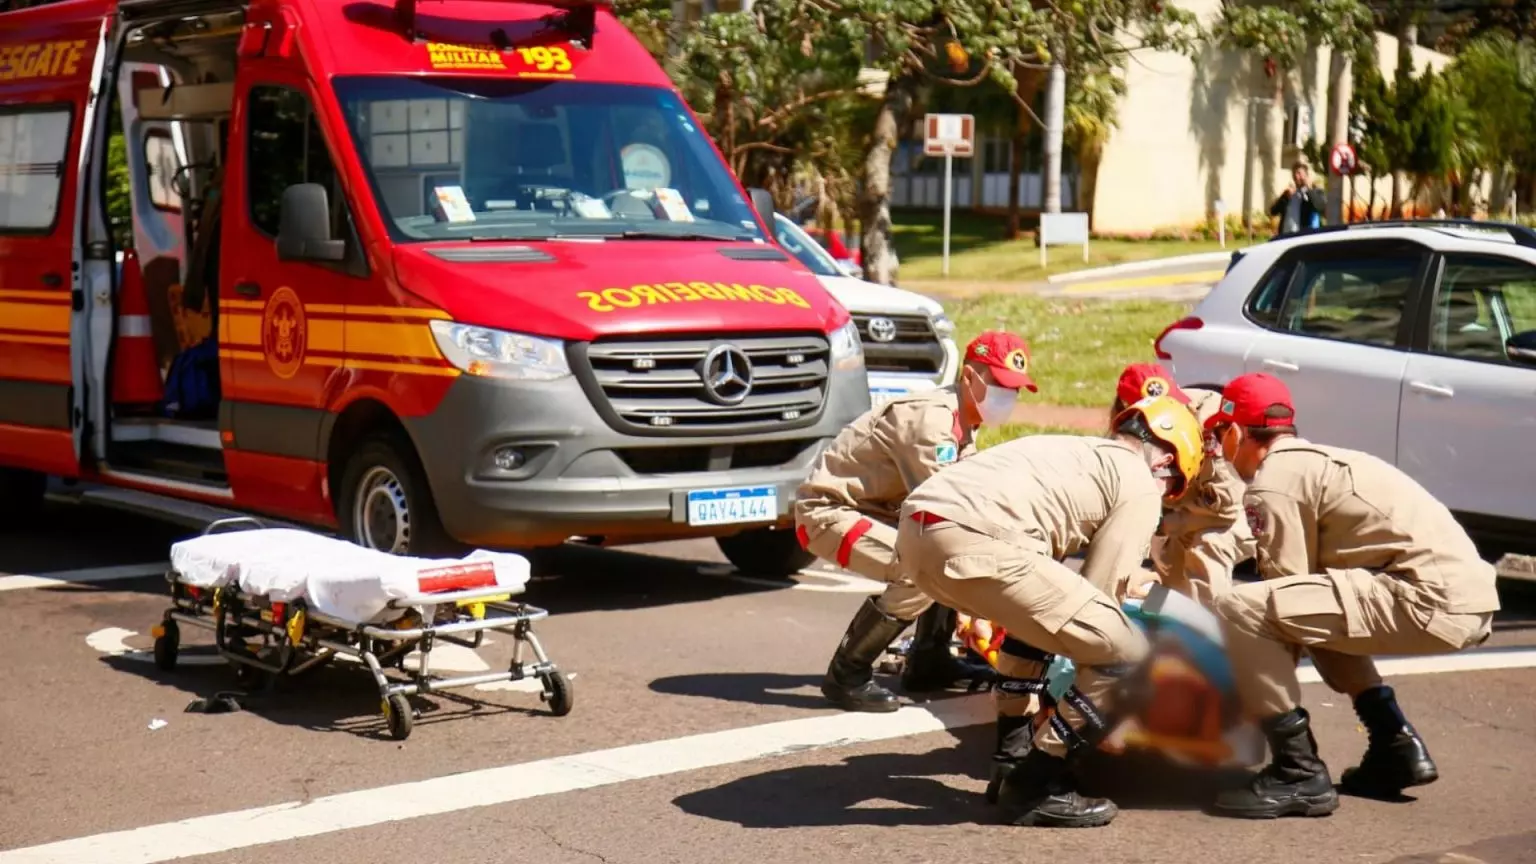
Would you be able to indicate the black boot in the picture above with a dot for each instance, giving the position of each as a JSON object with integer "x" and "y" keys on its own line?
{"x": 1015, "y": 739}
{"x": 931, "y": 666}
{"x": 1040, "y": 791}
{"x": 1295, "y": 783}
{"x": 850, "y": 683}
{"x": 1395, "y": 758}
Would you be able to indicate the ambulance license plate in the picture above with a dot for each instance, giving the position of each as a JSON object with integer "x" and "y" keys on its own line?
{"x": 730, "y": 506}
{"x": 880, "y": 395}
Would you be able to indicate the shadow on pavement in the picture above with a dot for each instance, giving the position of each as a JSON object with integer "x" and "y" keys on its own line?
{"x": 893, "y": 789}
{"x": 756, "y": 688}
{"x": 878, "y": 789}
{"x": 1509, "y": 849}
{"x": 329, "y": 699}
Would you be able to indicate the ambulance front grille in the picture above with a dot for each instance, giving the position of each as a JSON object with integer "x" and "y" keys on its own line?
{"x": 648, "y": 386}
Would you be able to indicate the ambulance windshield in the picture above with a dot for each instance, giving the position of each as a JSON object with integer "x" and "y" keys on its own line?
{"x": 489, "y": 159}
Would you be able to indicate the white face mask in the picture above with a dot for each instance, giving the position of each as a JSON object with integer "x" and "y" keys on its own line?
{"x": 998, "y": 405}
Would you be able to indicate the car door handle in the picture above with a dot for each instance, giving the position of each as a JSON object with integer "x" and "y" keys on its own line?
{"x": 52, "y": 280}
{"x": 247, "y": 289}
{"x": 1436, "y": 389}
{"x": 1282, "y": 365}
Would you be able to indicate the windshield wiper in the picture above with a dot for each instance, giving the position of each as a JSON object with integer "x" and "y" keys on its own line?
{"x": 640, "y": 234}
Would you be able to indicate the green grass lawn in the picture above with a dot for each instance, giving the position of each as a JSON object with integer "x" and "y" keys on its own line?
{"x": 1078, "y": 348}
{"x": 978, "y": 252}
{"x": 991, "y": 435}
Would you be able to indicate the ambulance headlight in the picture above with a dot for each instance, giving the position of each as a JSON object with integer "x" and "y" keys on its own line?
{"x": 847, "y": 350}
{"x": 489, "y": 353}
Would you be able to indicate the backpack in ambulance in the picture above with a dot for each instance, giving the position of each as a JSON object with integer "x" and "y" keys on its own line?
{"x": 192, "y": 384}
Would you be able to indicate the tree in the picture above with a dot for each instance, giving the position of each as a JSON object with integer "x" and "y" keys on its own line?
{"x": 1495, "y": 76}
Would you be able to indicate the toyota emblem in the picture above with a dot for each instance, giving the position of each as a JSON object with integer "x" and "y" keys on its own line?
{"x": 882, "y": 329}
{"x": 727, "y": 375}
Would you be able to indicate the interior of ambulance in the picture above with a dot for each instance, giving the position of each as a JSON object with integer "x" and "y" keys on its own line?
{"x": 163, "y": 178}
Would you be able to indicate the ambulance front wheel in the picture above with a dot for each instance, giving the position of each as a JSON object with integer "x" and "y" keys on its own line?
{"x": 385, "y": 503}
{"x": 766, "y": 553}
{"x": 21, "y": 494}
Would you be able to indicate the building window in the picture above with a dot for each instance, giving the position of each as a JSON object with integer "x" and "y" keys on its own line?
{"x": 34, "y": 147}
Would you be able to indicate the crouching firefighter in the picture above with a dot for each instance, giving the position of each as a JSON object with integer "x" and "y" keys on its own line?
{"x": 846, "y": 512}
{"x": 988, "y": 537}
{"x": 1357, "y": 559}
{"x": 1204, "y": 533}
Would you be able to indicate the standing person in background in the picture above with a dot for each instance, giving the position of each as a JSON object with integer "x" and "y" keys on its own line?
{"x": 1302, "y": 205}
{"x": 846, "y": 512}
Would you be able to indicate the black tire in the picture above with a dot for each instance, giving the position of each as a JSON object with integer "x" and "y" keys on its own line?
{"x": 558, "y": 692}
{"x": 385, "y": 503}
{"x": 766, "y": 553}
{"x": 399, "y": 717}
{"x": 167, "y": 646}
{"x": 21, "y": 495}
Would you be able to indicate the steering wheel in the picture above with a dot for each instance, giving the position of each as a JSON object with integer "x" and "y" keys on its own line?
{"x": 181, "y": 181}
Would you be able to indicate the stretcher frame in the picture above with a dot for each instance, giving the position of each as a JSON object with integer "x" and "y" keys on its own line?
{"x": 295, "y": 639}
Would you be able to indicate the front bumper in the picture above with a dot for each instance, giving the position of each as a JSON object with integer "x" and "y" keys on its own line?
{"x": 581, "y": 478}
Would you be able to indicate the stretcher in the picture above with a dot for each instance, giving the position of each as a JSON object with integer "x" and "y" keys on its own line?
{"x": 281, "y": 603}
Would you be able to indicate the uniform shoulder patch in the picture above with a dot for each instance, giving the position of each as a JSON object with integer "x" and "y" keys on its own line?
{"x": 946, "y": 452}
{"x": 1256, "y": 519}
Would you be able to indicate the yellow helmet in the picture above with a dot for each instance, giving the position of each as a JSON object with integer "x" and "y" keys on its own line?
{"x": 1173, "y": 425}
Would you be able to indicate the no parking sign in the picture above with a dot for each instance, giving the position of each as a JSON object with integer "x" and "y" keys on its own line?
{"x": 1342, "y": 159}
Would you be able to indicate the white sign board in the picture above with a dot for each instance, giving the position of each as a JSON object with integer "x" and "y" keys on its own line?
{"x": 1063, "y": 229}
{"x": 949, "y": 135}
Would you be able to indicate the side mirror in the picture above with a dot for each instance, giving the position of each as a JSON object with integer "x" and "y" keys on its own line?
{"x": 1521, "y": 348}
{"x": 304, "y": 226}
{"x": 762, "y": 202}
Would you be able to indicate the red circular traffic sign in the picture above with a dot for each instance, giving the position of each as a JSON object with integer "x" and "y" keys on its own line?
{"x": 1342, "y": 159}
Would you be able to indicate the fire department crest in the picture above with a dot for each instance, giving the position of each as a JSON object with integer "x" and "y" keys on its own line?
{"x": 1154, "y": 386}
{"x": 1256, "y": 521}
{"x": 283, "y": 333}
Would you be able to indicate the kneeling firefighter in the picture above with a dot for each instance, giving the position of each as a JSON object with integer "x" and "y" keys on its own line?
{"x": 846, "y": 512}
{"x": 988, "y": 537}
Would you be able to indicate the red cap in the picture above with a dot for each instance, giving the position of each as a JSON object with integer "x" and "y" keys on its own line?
{"x": 1006, "y": 355}
{"x": 1247, "y": 397}
{"x": 1140, "y": 380}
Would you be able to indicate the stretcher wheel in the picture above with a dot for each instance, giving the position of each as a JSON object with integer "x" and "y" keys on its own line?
{"x": 398, "y": 716}
{"x": 167, "y": 644}
{"x": 558, "y": 693}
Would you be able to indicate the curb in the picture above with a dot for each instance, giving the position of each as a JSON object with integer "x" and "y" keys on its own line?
{"x": 1139, "y": 266}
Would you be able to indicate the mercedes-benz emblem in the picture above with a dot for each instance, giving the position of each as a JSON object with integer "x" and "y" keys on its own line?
{"x": 882, "y": 329}
{"x": 727, "y": 374}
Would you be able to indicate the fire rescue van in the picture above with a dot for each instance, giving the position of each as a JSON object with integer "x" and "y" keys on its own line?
{"x": 421, "y": 272}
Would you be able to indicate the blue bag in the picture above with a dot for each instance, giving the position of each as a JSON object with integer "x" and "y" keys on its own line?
{"x": 192, "y": 385}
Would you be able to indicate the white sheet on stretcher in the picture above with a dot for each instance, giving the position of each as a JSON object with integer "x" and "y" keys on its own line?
{"x": 336, "y": 578}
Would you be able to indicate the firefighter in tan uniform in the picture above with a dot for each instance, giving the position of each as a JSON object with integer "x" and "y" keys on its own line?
{"x": 987, "y": 537}
{"x": 1357, "y": 559}
{"x": 846, "y": 512}
{"x": 1204, "y": 534}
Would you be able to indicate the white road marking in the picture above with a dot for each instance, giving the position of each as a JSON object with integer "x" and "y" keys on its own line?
{"x": 113, "y": 642}
{"x": 207, "y": 835}
{"x": 91, "y": 574}
{"x": 242, "y": 829}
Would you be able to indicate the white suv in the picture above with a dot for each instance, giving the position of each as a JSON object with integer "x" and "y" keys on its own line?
{"x": 908, "y": 341}
{"x": 1413, "y": 341}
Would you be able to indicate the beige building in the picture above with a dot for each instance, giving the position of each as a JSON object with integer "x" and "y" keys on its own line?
{"x": 1191, "y": 136}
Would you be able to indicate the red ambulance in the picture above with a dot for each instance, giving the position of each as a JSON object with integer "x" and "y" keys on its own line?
{"x": 419, "y": 271}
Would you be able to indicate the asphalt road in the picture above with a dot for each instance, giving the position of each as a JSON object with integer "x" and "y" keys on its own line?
{"x": 698, "y": 735}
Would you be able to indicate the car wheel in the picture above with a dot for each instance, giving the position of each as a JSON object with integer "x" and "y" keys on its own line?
{"x": 386, "y": 504}
{"x": 766, "y": 553}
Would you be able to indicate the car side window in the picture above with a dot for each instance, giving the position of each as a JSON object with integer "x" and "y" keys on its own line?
{"x": 1483, "y": 301}
{"x": 1351, "y": 299}
{"x": 1264, "y": 306}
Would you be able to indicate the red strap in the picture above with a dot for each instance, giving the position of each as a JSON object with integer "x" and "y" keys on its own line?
{"x": 927, "y": 518}
{"x": 457, "y": 577}
{"x": 803, "y": 536}
{"x": 845, "y": 551}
